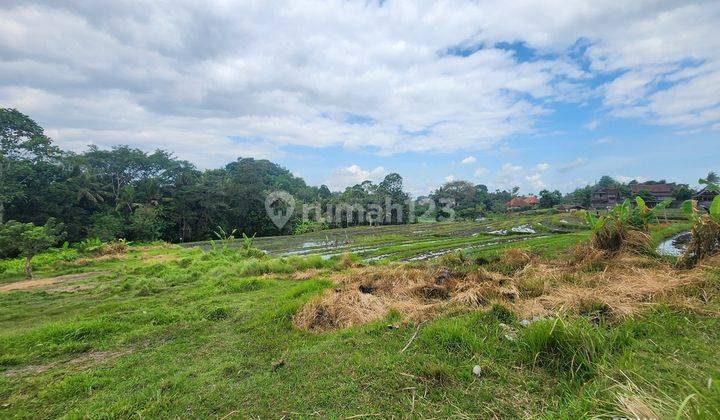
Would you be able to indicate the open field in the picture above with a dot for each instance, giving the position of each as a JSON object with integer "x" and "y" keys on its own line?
{"x": 169, "y": 331}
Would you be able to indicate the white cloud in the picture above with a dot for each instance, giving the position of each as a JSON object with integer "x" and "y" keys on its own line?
{"x": 352, "y": 175}
{"x": 536, "y": 181}
{"x": 592, "y": 125}
{"x": 468, "y": 160}
{"x": 449, "y": 178}
{"x": 303, "y": 73}
{"x": 541, "y": 167}
{"x": 509, "y": 168}
{"x": 605, "y": 140}
{"x": 481, "y": 171}
{"x": 577, "y": 163}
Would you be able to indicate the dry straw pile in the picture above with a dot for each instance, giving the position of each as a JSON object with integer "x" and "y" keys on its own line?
{"x": 587, "y": 281}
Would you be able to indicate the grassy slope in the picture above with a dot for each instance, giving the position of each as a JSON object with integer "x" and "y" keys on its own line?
{"x": 196, "y": 334}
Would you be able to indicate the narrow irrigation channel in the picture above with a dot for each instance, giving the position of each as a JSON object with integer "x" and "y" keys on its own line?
{"x": 674, "y": 246}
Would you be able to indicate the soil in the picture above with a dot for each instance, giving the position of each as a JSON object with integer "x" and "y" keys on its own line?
{"x": 48, "y": 281}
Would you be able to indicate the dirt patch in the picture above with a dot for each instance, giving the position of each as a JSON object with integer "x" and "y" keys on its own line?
{"x": 49, "y": 281}
{"x": 84, "y": 361}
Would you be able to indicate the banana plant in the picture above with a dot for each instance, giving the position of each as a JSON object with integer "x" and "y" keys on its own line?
{"x": 224, "y": 237}
{"x": 595, "y": 223}
{"x": 247, "y": 241}
{"x": 715, "y": 209}
{"x": 647, "y": 214}
{"x": 712, "y": 186}
{"x": 690, "y": 208}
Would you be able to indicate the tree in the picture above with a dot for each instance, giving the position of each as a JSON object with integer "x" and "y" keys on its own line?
{"x": 607, "y": 182}
{"x": 458, "y": 195}
{"x": 712, "y": 177}
{"x": 28, "y": 240}
{"x": 646, "y": 195}
{"x": 682, "y": 192}
{"x": 146, "y": 224}
{"x": 23, "y": 144}
{"x": 581, "y": 196}
{"x": 549, "y": 199}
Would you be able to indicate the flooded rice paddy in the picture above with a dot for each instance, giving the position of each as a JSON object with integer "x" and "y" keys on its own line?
{"x": 418, "y": 242}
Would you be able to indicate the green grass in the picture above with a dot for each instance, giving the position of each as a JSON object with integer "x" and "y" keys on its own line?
{"x": 172, "y": 332}
{"x": 659, "y": 233}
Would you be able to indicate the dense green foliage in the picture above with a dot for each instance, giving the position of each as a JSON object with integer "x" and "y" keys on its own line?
{"x": 127, "y": 193}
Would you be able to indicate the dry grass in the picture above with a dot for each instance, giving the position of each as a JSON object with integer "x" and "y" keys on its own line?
{"x": 627, "y": 283}
{"x": 516, "y": 258}
{"x": 82, "y": 362}
{"x": 308, "y": 274}
{"x": 368, "y": 294}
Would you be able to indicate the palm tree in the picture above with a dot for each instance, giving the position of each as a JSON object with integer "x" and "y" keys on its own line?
{"x": 713, "y": 177}
{"x": 89, "y": 188}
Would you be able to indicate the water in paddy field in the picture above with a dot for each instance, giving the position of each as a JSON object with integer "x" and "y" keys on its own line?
{"x": 674, "y": 246}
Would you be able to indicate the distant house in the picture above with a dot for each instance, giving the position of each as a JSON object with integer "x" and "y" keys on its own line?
{"x": 659, "y": 192}
{"x": 605, "y": 198}
{"x": 522, "y": 202}
{"x": 705, "y": 197}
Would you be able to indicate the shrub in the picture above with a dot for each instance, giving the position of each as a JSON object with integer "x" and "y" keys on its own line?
{"x": 307, "y": 226}
{"x": 106, "y": 226}
{"x": 705, "y": 232}
{"x": 624, "y": 226}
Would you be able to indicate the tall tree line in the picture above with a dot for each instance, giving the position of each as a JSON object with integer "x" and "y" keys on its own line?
{"x": 127, "y": 193}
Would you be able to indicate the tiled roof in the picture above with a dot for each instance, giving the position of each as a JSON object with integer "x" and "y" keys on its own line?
{"x": 523, "y": 201}
{"x": 653, "y": 188}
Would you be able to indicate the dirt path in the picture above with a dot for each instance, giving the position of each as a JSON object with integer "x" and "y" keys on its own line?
{"x": 48, "y": 281}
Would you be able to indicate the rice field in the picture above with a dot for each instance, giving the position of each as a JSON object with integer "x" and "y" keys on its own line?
{"x": 422, "y": 241}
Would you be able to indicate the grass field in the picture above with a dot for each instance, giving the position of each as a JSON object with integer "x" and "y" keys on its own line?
{"x": 212, "y": 330}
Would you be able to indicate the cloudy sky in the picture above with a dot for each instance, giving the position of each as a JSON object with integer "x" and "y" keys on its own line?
{"x": 534, "y": 93}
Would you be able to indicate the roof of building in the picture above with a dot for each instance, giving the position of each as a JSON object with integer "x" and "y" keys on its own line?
{"x": 705, "y": 192}
{"x": 523, "y": 201}
{"x": 607, "y": 190}
{"x": 653, "y": 188}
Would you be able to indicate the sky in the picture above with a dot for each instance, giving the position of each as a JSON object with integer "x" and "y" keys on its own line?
{"x": 539, "y": 94}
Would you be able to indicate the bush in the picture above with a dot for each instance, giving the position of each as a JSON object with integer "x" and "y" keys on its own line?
{"x": 307, "y": 226}
{"x": 624, "y": 226}
{"x": 106, "y": 227}
{"x": 705, "y": 232}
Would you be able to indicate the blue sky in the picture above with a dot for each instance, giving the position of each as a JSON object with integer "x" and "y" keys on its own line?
{"x": 540, "y": 94}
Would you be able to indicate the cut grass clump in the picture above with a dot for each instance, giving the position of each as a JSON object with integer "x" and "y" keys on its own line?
{"x": 450, "y": 336}
{"x": 217, "y": 313}
{"x": 570, "y": 347}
